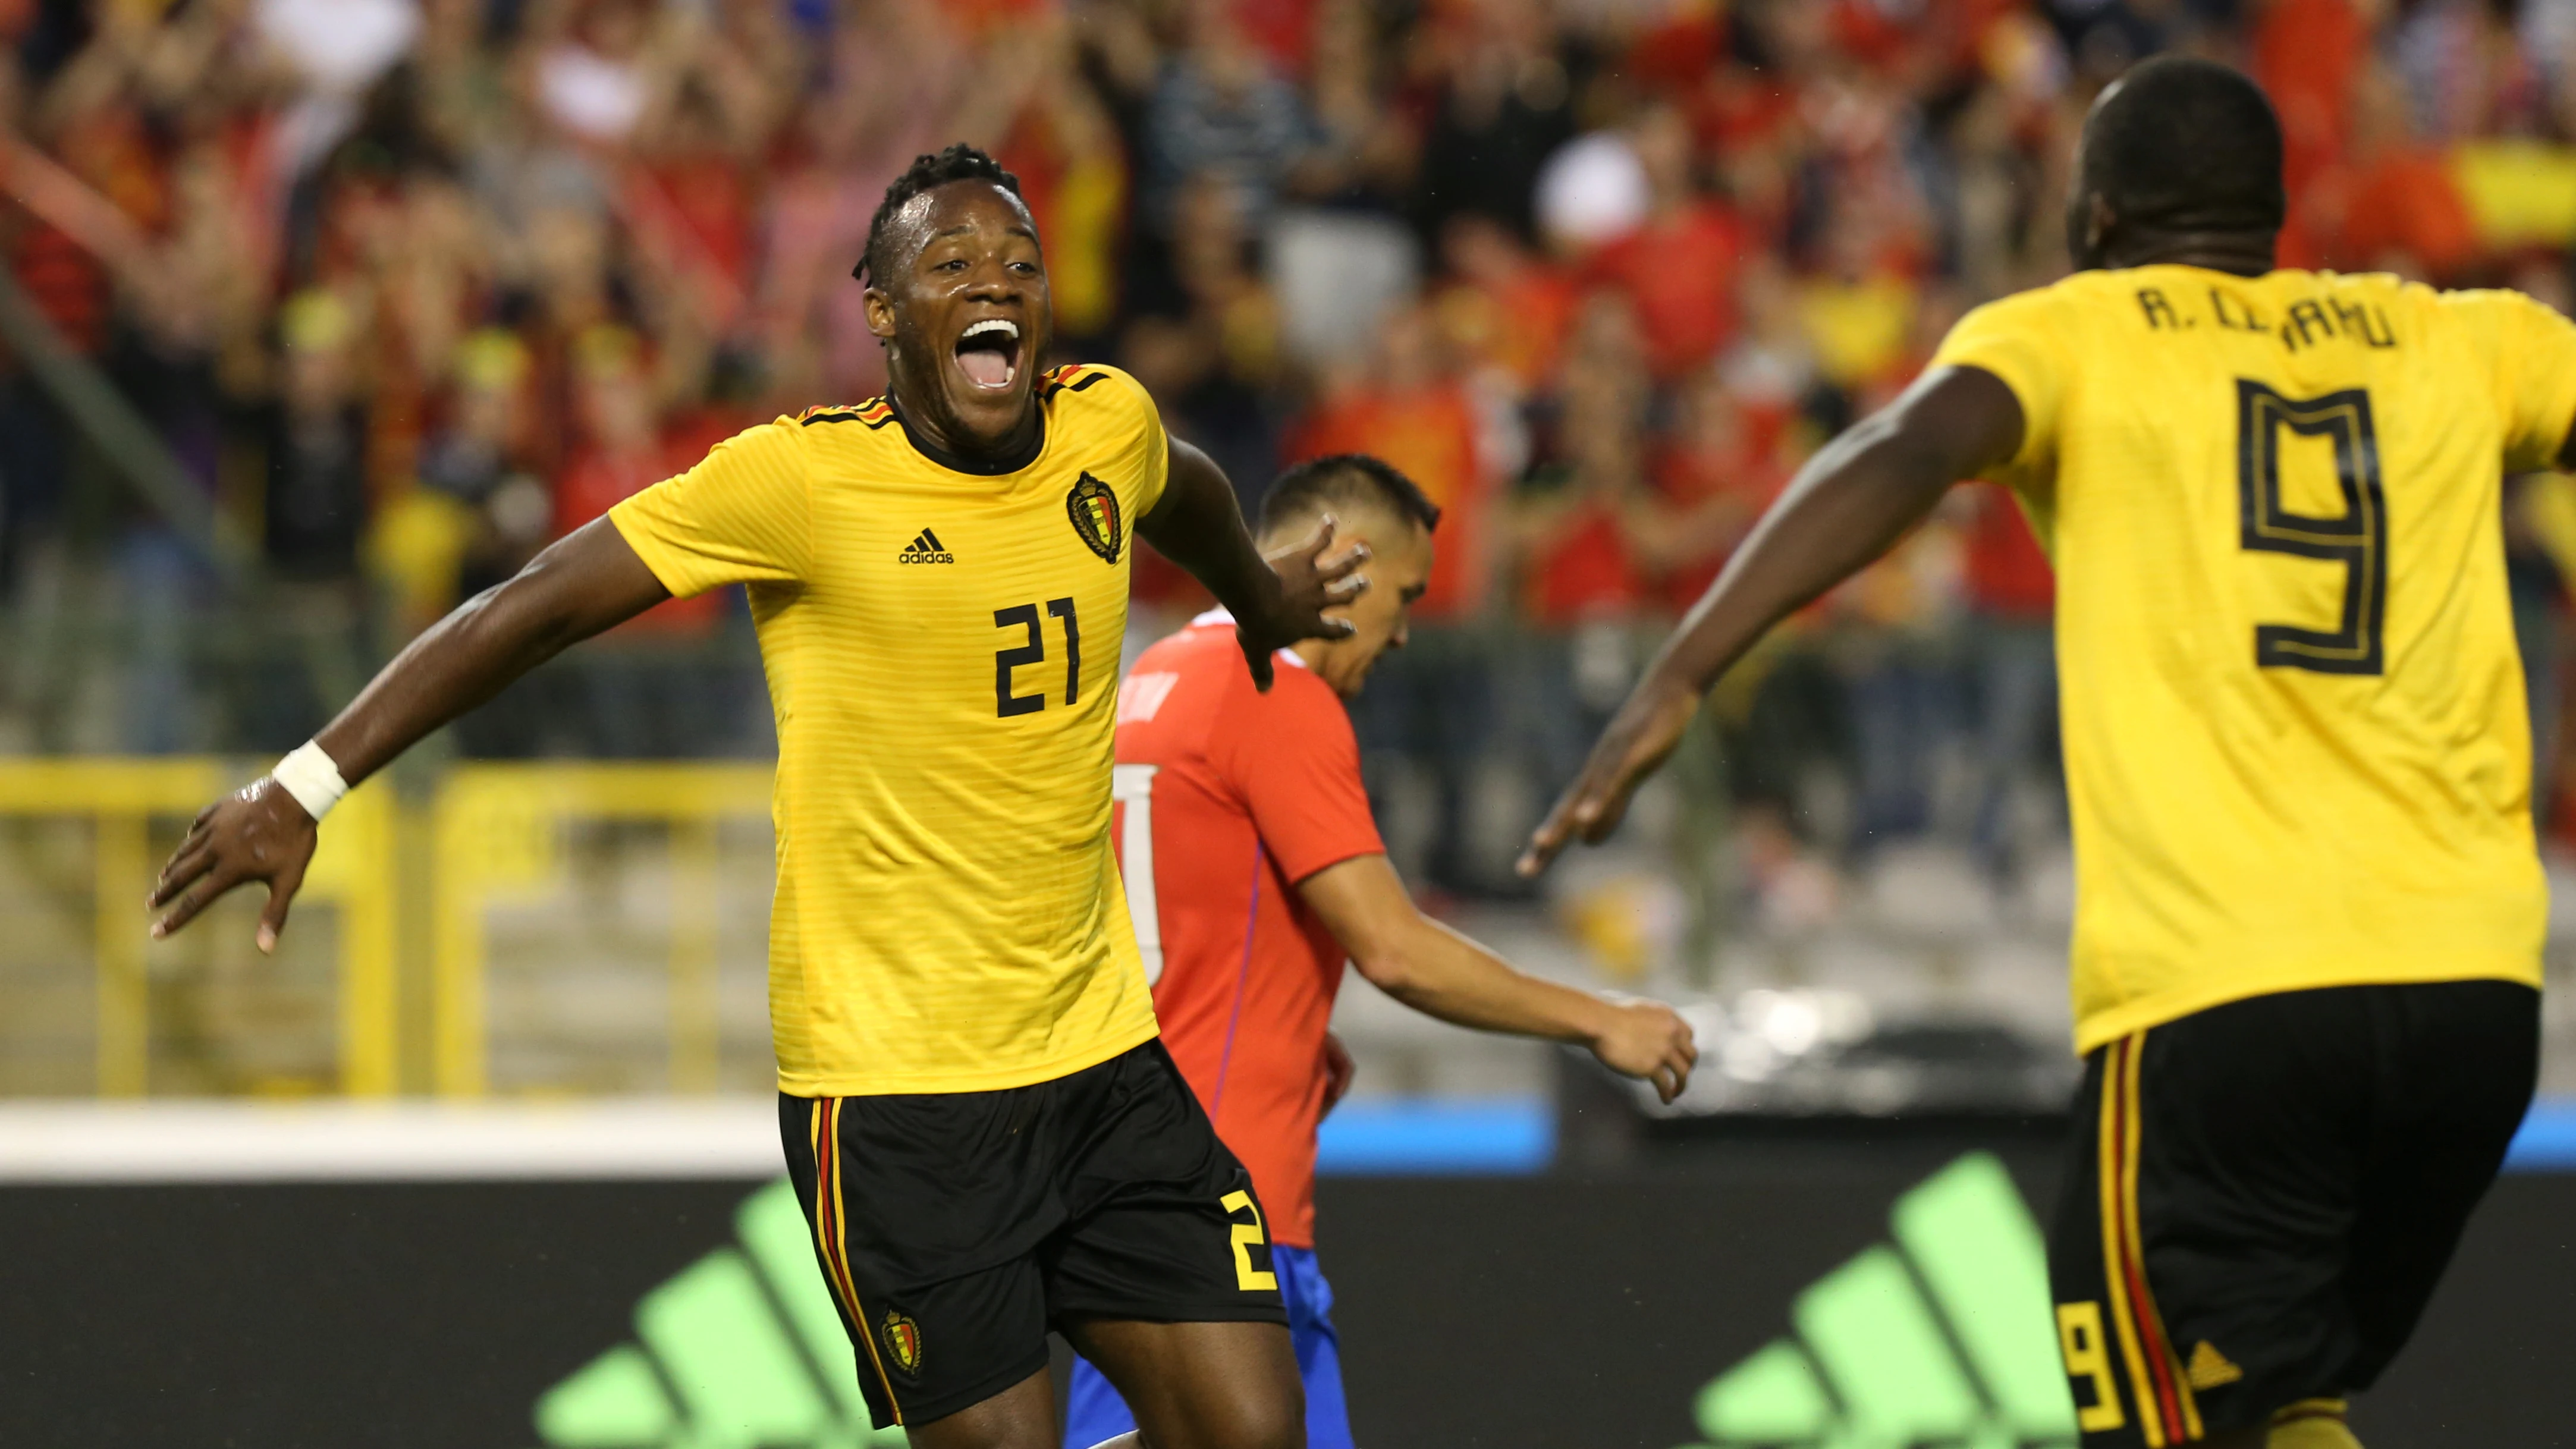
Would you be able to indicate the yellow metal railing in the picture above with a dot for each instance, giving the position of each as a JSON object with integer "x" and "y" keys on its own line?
{"x": 353, "y": 872}
{"x": 494, "y": 836}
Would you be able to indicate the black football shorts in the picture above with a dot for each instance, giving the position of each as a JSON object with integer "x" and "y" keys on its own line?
{"x": 956, "y": 1228}
{"x": 2262, "y": 1195}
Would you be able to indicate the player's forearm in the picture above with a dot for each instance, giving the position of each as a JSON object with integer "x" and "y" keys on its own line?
{"x": 566, "y": 594}
{"x": 1445, "y": 974}
{"x": 1199, "y": 526}
{"x": 1849, "y": 505}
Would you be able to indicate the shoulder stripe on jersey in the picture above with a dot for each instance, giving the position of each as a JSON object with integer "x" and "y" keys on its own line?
{"x": 873, "y": 412}
{"x": 1073, "y": 377}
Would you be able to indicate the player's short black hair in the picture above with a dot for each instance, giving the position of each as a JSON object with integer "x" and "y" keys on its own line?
{"x": 927, "y": 172}
{"x": 1353, "y": 480}
{"x": 2187, "y": 145}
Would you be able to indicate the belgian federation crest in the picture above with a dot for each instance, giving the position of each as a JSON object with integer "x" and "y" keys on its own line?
{"x": 1095, "y": 517}
{"x": 903, "y": 1342}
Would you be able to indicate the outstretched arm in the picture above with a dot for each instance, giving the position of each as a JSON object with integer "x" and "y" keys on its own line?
{"x": 1441, "y": 973}
{"x": 583, "y": 584}
{"x": 1850, "y": 503}
{"x": 1275, "y": 602}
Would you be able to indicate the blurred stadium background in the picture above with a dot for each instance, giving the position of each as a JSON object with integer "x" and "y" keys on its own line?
{"x": 317, "y": 316}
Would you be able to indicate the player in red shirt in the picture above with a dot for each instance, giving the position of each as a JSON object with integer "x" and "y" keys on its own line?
{"x": 1254, "y": 871}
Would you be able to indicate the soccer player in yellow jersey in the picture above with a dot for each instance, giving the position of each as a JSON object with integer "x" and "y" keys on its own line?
{"x": 987, "y": 1135}
{"x": 2308, "y": 903}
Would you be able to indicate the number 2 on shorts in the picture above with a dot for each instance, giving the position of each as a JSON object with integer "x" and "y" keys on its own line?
{"x": 1248, "y": 1236}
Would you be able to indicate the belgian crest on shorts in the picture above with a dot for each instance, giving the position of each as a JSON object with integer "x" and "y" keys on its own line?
{"x": 1095, "y": 517}
{"x": 903, "y": 1341}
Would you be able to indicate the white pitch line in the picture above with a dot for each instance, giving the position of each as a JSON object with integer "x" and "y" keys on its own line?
{"x": 335, "y": 1141}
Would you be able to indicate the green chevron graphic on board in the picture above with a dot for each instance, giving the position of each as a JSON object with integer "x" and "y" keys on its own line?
{"x": 741, "y": 1349}
{"x": 1942, "y": 1336}
{"x": 1939, "y": 1337}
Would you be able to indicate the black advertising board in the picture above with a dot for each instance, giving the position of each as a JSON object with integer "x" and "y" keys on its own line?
{"x": 1775, "y": 1292}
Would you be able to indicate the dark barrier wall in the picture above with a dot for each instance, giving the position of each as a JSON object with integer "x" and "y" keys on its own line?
{"x": 1564, "y": 1313}
{"x": 1558, "y": 1312}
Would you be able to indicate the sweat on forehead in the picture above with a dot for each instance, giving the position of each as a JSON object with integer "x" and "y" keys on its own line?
{"x": 908, "y": 228}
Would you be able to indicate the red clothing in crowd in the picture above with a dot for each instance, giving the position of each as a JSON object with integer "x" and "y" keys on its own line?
{"x": 67, "y": 284}
{"x": 1284, "y": 30}
{"x": 597, "y": 480}
{"x": 1249, "y": 794}
{"x": 2404, "y": 200}
{"x": 1517, "y": 323}
{"x": 1585, "y": 570}
{"x": 1728, "y": 491}
{"x": 1679, "y": 272}
{"x": 2307, "y": 55}
{"x": 1429, "y": 434}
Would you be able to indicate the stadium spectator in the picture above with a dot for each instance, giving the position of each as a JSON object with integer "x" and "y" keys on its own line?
{"x": 1678, "y": 268}
{"x": 1502, "y": 101}
{"x": 316, "y": 432}
{"x": 1221, "y": 113}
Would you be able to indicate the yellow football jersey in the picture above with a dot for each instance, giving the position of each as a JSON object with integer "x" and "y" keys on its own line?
{"x": 2296, "y": 746}
{"x": 942, "y": 648}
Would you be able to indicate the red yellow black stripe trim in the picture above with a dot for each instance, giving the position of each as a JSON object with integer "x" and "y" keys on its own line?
{"x": 876, "y": 412}
{"x": 1072, "y": 377}
{"x": 2168, "y": 1410}
{"x": 2172, "y": 1383}
{"x": 829, "y": 1234}
{"x": 2112, "y": 1141}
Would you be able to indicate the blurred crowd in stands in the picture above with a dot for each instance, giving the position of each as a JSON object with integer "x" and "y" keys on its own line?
{"x": 410, "y": 287}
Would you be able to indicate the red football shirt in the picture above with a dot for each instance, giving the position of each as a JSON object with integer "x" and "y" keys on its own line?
{"x": 1227, "y": 798}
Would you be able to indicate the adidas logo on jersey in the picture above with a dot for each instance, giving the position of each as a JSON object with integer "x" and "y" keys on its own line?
{"x": 925, "y": 549}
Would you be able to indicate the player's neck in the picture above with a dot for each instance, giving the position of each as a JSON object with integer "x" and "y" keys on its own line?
{"x": 939, "y": 433}
{"x": 2243, "y": 254}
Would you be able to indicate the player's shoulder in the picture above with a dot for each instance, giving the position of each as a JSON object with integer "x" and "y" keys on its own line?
{"x": 1092, "y": 383}
{"x": 1205, "y": 661}
{"x": 2487, "y": 308}
{"x": 1181, "y": 673}
{"x": 770, "y": 449}
{"x": 1187, "y": 650}
{"x": 2034, "y": 312}
{"x": 1094, "y": 394}
{"x": 2387, "y": 293}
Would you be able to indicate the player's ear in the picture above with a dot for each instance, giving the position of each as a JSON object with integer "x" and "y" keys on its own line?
{"x": 880, "y": 312}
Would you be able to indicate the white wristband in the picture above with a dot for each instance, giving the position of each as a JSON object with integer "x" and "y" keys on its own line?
{"x": 309, "y": 776}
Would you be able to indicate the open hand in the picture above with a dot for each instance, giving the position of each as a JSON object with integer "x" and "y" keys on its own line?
{"x": 258, "y": 832}
{"x": 1303, "y": 584}
{"x": 1648, "y": 1040}
{"x": 1644, "y": 731}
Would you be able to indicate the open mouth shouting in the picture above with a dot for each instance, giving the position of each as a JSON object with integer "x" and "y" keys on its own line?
{"x": 989, "y": 354}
